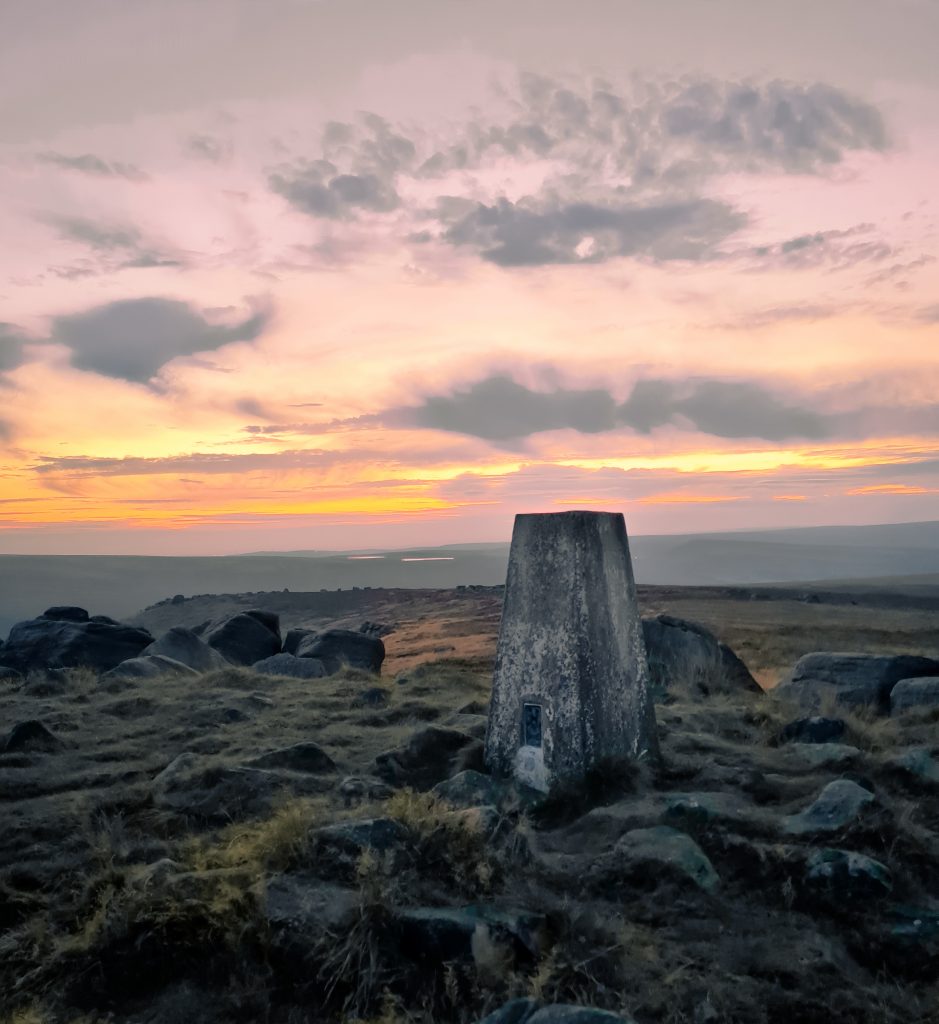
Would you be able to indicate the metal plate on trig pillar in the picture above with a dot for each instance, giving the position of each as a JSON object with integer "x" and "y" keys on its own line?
{"x": 531, "y": 725}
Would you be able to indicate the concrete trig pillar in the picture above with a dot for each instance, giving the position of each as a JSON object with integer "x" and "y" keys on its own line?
{"x": 571, "y": 683}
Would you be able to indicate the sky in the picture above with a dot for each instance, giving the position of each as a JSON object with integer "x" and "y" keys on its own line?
{"x": 337, "y": 274}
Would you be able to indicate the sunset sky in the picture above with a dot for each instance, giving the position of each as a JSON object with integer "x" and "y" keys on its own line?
{"x": 355, "y": 273}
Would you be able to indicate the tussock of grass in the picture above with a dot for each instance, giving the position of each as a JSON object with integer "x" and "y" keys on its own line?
{"x": 272, "y": 844}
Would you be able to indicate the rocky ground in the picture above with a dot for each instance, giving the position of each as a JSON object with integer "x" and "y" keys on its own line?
{"x": 228, "y": 844}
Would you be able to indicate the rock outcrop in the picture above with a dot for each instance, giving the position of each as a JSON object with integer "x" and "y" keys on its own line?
{"x": 339, "y": 647}
{"x": 854, "y": 680}
{"x": 245, "y": 638}
{"x": 684, "y": 656}
{"x": 44, "y": 643}
{"x": 183, "y": 645}
{"x": 284, "y": 664}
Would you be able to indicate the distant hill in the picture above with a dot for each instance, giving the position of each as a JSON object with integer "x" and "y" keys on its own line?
{"x": 121, "y": 585}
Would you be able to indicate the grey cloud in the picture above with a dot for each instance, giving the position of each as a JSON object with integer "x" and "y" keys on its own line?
{"x": 661, "y": 131}
{"x": 337, "y": 197}
{"x": 357, "y": 172}
{"x": 88, "y": 163}
{"x": 735, "y": 409}
{"x": 838, "y": 249}
{"x": 208, "y": 147}
{"x": 11, "y": 347}
{"x": 195, "y": 462}
{"x": 929, "y": 315}
{"x": 119, "y": 246}
{"x": 781, "y": 314}
{"x": 100, "y": 237}
{"x": 798, "y": 128}
{"x": 530, "y": 233}
{"x": 132, "y": 339}
{"x": 499, "y": 409}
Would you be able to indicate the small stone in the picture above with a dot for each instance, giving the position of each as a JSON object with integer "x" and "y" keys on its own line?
{"x": 284, "y": 664}
{"x": 668, "y": 847}
{"x": 31, "y": 735}
{"x": 849, "y": 874}
{"x": 838, "y": 806}
{"x": 469, "y": 789}
{"x": 300, "y": 757}
{"x": 916, "y": 763}
{"x": 910, "y": 694}
{"x": 834, "y": 756}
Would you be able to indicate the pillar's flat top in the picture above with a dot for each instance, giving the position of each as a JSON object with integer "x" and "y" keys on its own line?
{"x": 578, "y": 513}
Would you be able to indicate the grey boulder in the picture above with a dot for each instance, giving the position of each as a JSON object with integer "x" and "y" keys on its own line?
{"x": 214, "y": 793}
{"x": 854, "y": 680}
{"x": 340, "y": 647}
{"x": 427, "y": 758}
{"x": 839, "y": 805}
{"x": 844, "y": 873}
{"x": 685, "y": 655}
{"x": 669, "y": 851}
{"x": 244, "y": 638}
{"x": 43, "y": 643}
{"x": 284, "y": 664}
{"x": 184, "y": 646}
{"x": 301, "y": 757}
{"x": 30, "y": 736}
{"x": 150, "y": 666}
{"x": 65, "y": 613}
{"x": 909, "y": 694}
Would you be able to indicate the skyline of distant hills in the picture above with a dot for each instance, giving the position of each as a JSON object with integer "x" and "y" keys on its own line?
{"x": 121, "y": 585}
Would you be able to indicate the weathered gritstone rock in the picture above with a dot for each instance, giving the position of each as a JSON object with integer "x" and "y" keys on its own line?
{"x": 218, "y": 794}
{"x": 917, "y": 764}
{"x": 294, "y": 637}
{"x": 339, "y": 647}
{"x": 426, "y": 759}
{"x": 571, "y": 680}
{"x": 685, "y": 656}
{"x": 301, "y": 908}
{"x": 855, "y": 680}
{"x": 910, "y": 694}
{"x": 301, "y": 757}
{"x": 244, "y": 639}
{"x": 30, "y": 736}
{"x": 290, "y": 665}
{"x": 835, "y": 756}
{"x": 839, "y": 805}
{"x": 41, "y": 644}
{"x": 184, "y": 646}
{"x": 470, "y": 789}
{"x": 847, "y": 874}
{"x": 668, "y": 848}
{"x": 813, "y": 730}
{"x": 66, "y": 613}
{"x": 149, "y": 666}
{"x": 337, "y": 849}
{"x": 706, "y": 810}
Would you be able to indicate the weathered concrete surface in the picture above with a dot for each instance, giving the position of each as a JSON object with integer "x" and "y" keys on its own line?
{"x": 570, "y": 643}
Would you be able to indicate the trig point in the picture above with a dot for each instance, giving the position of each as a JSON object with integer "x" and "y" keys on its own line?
{"x": 571, "y": 681}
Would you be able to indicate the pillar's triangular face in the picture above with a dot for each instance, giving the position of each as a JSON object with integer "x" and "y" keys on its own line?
{"x": 571, "y": 681}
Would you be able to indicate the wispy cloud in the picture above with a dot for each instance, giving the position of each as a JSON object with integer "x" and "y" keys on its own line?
{"x": 88, "y": 163}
